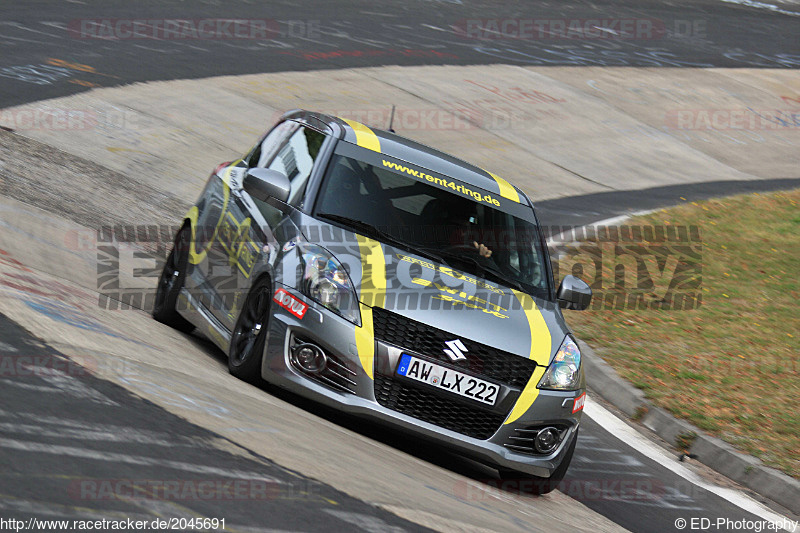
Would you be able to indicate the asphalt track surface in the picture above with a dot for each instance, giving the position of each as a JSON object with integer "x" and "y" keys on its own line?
{"x": 61, "y": 436}
{"x": 335, "y": 35}
{"x": 38, "y": 50}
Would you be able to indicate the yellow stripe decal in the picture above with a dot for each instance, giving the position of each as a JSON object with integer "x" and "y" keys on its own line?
{"x": 372, "y": 293}
{"x": 365, "y": 340}
{"x": 506, "y": 189}
{"x": 527, "y": 397}
{"x": 365, "y": 137}
{"x": 540, "y": 352}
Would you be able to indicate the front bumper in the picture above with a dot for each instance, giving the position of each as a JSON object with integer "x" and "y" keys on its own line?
{"x": 336, "y": 336}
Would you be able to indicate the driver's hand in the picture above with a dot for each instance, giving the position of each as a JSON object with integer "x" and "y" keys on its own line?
{"x": 482, "y": 249}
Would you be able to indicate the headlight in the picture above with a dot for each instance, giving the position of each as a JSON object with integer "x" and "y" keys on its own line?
{"x": 326, "y": 281}
{"x": 564, "y": 372}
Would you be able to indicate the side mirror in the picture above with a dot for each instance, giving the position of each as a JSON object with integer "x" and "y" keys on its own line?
{"x": 574, "y": 293}
{"x": 262, "y": 183}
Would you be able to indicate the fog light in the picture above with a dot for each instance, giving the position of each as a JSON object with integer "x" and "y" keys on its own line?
{"x": 546, "y": 440}
{"x": 309, "y": 358}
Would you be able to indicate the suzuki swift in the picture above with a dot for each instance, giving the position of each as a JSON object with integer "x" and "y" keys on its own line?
{"x": 388, "y": 280}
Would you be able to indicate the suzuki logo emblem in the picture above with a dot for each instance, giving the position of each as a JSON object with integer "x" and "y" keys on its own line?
{"x": 455, "y": 350}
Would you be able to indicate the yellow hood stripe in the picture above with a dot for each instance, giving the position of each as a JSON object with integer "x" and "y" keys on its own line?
{"x": 540, "y": 352}
{"x": 540, "y": 333}
{"x": 365, "y": 137}
{"x": 527, "y": 397}
{"x": 372, "y": 293}
{"x": 506, "y": 189}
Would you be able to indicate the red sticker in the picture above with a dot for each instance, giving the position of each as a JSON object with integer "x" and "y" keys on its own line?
{"x": 290, "y": 303}
{"x": 578, "y": 404}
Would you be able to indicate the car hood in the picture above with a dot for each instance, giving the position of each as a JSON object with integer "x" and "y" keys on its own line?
{"x": 469, "y": 307}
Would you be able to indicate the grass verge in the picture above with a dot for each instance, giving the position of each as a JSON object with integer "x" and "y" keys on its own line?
{"x": 731, "y": 365}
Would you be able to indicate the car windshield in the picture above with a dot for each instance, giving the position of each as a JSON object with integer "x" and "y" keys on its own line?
{"x": 440, "y": 219}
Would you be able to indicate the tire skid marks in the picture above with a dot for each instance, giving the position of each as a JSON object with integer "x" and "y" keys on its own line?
{"x": 59, "y": 382}
{"x": 96, "y": 455}
{"x": 370, "y": 524}
{"x": 126, "y": 435}
{"x": 7, "y": 348}
{"x": 64, "y": 426}
{"x": 595, "y": 461}
{"x": 26, "y": 423}
{"x": 669, "y": 497}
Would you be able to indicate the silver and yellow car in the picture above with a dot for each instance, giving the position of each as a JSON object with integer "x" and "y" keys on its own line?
{"x": 389, "y": 280}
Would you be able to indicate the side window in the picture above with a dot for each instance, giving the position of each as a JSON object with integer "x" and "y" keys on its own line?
{"x": 296, "y": 157}
{"x": 265, "y": 150}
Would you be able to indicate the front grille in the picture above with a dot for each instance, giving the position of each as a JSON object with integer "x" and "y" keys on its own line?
{"x": 482, "y": 360}
{"x": 429, "y": 407}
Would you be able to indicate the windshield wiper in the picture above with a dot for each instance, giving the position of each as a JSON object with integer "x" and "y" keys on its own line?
{"x": 367, "y": 228}
{"x": 382, "y": 235}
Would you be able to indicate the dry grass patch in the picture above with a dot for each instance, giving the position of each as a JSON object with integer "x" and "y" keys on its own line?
{"x": 731, "y": 366}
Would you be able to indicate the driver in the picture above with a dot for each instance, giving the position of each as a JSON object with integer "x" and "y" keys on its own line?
{"x": 464, "y": 217}
{"x": 470, "y": 231}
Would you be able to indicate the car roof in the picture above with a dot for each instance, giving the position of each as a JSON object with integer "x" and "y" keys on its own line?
{"x": 399, "y": 147}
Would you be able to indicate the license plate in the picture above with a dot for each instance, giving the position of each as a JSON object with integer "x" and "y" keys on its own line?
{"x": 448, "y": 379}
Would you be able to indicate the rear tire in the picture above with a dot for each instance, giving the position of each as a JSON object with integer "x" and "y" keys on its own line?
{"x": 250, "y": 334}
{"x": 171, "y": 282}
{"x": 544, "y": 485}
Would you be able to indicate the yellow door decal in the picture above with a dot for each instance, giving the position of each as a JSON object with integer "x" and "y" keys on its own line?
{"x": 196, "y": 257}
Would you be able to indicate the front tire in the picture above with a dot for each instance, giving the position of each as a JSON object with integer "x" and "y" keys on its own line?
{"x": 171, "y": 282}
{"x": 544, "y": 485}
{"x": 250, "y": 334}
